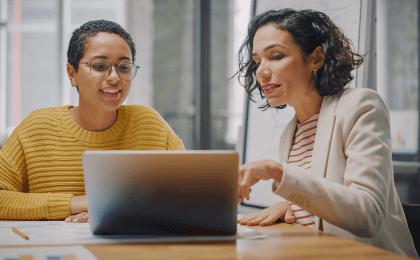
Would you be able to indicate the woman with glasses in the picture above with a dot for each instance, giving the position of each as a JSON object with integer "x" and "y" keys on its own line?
{"x": 335, "y": 162}
{"x": 41, "y": 173}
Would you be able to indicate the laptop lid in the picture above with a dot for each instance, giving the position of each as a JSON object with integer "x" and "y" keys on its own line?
{"x": 161, "y": 192}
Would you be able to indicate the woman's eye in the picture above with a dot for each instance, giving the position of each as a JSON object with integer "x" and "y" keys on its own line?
{"x": 124, "y": 68}
{"x": 100, "y": 67}
{"x": 277, "y": 57}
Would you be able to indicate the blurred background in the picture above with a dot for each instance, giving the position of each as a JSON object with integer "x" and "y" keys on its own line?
{"x": 34, "y": 41}
{"x": 187, "y": 52}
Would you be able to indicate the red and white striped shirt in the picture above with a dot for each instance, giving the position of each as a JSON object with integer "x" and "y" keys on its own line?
{"x": 301, "y": 156}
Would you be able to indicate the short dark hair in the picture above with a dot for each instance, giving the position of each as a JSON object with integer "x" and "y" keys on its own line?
{"x": 90, "y": 29}
{"x": 309, "y": 29}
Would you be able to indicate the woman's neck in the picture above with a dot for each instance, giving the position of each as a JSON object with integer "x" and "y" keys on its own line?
{"x": 92, "y": 119}
{"x": 308, "y": 106}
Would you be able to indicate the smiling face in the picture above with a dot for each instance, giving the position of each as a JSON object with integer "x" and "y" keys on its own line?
{"x": 107, "y": 94}
{"x": 283, "y": 74}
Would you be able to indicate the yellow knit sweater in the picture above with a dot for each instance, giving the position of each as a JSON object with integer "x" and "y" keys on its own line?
{"x": 41, "y": 162}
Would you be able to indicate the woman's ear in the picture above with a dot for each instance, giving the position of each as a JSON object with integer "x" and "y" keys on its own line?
{"x": 318, "y": 57}
{"x": 72, "y": 74}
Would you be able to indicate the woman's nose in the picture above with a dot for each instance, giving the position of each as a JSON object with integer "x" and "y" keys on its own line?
{"x": 263, "y": 71}
{"x": 113, "y": 75}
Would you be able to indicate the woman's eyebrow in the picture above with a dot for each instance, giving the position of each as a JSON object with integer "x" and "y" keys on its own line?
{"x": 106, "y": 57}
{"x": 124, "y": 58}
{"x": 101, "y": 57}
{"x": 270, "y": 47}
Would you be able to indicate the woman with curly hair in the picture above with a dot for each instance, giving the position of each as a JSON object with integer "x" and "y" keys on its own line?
{"x": 335, "y": 166}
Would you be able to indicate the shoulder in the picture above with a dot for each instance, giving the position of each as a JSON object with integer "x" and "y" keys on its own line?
{"x": 141, "y": 112}
{"x": 359, "y": 101}
{"x": 360, "y": 96}
{"x": 137, "y": 110}
{"x": 42, "y": 116}
{"x": 41, "y": 120}
{"x": 45, "y": 112}
{"x": 136, "y": 113}
{"x": 362, "y": 107}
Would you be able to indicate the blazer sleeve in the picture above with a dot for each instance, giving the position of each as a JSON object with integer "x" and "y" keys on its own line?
{"x": 358, "y": 203}
{"x": 15, "y": 201}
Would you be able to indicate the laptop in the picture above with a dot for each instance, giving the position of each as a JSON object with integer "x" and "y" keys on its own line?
{"x": 161, "y": 192}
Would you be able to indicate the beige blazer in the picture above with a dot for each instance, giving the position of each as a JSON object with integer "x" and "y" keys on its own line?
{"x": 350, "y": 186}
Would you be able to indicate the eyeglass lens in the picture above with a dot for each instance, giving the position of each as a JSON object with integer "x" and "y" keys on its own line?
{"x": 101, "y": 69}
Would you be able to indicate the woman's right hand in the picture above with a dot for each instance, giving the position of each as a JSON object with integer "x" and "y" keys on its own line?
{"x": 78, "y": 204}
{"x": 78, "y": 209}
{"x": 253, "y": 172}
{"x": 281, "y": 210}
{"x": 78, "y": 218}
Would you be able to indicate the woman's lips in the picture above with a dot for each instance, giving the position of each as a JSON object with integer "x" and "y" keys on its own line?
{"x": 268, "y": 89}
{"x": 111, "y": 93}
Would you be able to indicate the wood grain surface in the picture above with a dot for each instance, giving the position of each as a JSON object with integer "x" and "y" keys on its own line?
{"x": 283, "y": 241}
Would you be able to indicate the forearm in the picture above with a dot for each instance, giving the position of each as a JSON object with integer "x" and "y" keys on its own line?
{"x": 354, "y": 208}
{"x": 34, "y": 206}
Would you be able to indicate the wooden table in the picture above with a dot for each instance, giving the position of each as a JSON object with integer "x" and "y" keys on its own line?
{"x": 284, "y": 241}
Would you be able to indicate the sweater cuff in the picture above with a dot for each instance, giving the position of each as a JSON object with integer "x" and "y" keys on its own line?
{"x": 59, "y": 206}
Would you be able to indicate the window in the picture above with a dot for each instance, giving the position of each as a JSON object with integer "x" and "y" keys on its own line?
{"x": 33, "y": 56}
{"x": 398, "y": 73}
{"x": 34, "y": 40}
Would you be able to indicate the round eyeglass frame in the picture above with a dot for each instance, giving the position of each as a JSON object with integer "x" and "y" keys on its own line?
{"x": 110, "y": 68}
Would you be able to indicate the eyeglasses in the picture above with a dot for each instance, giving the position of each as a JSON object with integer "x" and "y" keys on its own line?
{"x": 101, "y": 69}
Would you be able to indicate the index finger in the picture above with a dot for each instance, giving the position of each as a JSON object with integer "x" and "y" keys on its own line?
{"x": 245, "y": 184}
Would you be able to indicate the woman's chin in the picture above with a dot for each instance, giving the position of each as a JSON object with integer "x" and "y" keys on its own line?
{"x": 275, "y": 103}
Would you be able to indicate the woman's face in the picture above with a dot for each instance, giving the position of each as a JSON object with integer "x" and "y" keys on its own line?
{"x": 282, "y": 73}
{"x": 93, "y": 91}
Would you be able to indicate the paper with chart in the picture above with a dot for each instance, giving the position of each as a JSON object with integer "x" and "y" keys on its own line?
{"x": 47, "y": 253}
{"x": 61, "y": 233}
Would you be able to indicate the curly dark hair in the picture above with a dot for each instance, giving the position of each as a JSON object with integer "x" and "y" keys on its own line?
{"x": 309, "y": 29}
{"x": 90, "y": 29}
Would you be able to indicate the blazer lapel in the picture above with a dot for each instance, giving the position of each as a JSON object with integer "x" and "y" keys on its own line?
{"x": 323, "y": 137}
{"x": 286, "y": 139}
{"x": 322, "y": 144}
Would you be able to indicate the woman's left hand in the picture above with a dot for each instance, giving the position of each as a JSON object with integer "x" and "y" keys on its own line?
{"x": 251, "y": 173}
{"x": 78, "y": 218}
{"x": 281, "y": 210}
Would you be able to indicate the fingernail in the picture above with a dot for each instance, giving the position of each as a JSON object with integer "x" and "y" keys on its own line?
{"x": 66, "y": 220}
{"x": 75, "y": 220}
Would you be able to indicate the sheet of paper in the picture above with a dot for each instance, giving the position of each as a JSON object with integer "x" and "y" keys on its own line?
{"x": 46, "y": 253}
{"x": 61, "y": 233}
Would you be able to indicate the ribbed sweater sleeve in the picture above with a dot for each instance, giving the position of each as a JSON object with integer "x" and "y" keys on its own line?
{"x": 174, "y": 143}
{"x": 41, "y": 163}
{"x": 15, "y": 202}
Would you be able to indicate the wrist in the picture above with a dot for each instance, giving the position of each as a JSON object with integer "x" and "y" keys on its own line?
{"x": 78, "y": 204}
{"x": 278, "y": 172}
